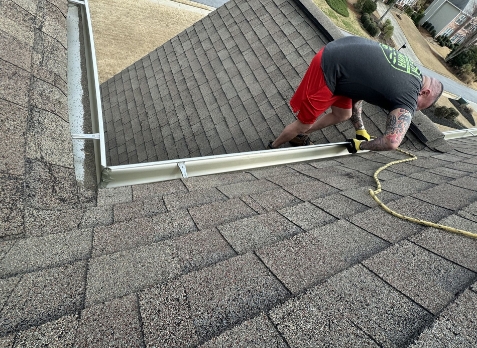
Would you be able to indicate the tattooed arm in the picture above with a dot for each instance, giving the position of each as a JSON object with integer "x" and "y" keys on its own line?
{"x": 356, "y": 114}
{"x": 397, "y": 125}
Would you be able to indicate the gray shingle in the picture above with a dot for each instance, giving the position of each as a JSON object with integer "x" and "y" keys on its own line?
{"x": 35, "y": 253}
{"x": 96, "y": 328}
{"x": 375, "y": 313}
{"x": 122, "y": 273}
{"x": 157, "y": 189}
{"x": 166, "y": 316}
{"x": 256, "y": 332}
{"x": 96, "y": 216}
{"x": 11, "y": 205}
{"x": 275, "y": 199}
{"x": 115, "y": 195}
{"x": 430, "y": 177}
{"x": 217, "y": 303}
{"x": 344, "y": 179}
{"x": 406, "y": 186}
{"x": 454, "y": 326}
{"x": 61, "y": 332}
{"x": 40, "y": 222}
{"x": 201, "y": 249}
{"x": 438, "y": 280}
{"x": 449, "y": 172}
{"x": 339, "y": 205}
{"x": 419, "y": 209}
{"x": 219, "y": 213}
{"x": 248, "y": 187}
{"x": 312, "y": 190}
{"x": 194, "y": 198}
{"x": 384, "y": 225}
{"x": 268, "y": 228}
{"x": 15, "y": 83}
{"x": 309, "y": 258}
{"x": 50, "y": 186}
{"x": 307, "y": 216}
{"x": 447, "y": 196}
{"x": 44, "y": 296}
{"x": 117, "y": 237}
{"x": 454, "y": 247}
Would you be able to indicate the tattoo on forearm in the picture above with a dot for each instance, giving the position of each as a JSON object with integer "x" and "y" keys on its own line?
{"x": 377, "y": 144}
{"x": 356, "y": 114}
{"x": 396, "y": 127}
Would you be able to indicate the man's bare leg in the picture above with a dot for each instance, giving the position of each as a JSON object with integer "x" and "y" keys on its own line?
{"x": 336, "y": 116}
{"x": 291, "y": 131}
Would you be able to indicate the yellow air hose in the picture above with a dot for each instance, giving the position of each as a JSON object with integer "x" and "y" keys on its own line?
{"x": 404, "y": 217}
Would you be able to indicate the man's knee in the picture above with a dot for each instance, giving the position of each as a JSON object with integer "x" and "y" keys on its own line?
{"x": 341, "y": 114}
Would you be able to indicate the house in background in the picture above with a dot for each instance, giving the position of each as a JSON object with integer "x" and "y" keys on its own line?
{"x": 403, "y": 3}
{"x": 453, "y": 18}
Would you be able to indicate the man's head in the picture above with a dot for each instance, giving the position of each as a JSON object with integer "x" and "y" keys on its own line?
{"x": 431, "y": 91}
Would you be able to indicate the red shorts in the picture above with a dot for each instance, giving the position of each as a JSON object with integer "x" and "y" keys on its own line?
{"x": 313, "y": 96}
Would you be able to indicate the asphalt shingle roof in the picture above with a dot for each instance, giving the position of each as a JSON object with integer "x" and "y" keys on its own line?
{"x": 223, "y": 86}
{"x": 289, "y": 256}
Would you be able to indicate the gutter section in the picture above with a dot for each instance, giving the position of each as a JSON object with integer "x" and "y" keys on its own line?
{"x": 462, "y": 133}
{"x": 143, "y": 173}
{"x": 76, "y": 110}
{"x": 84, "y": 99}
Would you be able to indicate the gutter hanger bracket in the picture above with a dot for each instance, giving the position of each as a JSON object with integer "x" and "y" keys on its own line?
{"x": 183, "y": 169}
{"x": 94, "y": 136}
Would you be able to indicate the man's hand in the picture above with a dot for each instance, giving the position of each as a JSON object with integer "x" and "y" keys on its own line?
{"x": 353, "y": 145}
{"x": 361, "y": 134}
{"x": 397, "y": 124}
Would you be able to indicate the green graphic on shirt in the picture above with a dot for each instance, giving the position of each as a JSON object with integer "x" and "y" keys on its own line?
{"x": 400, "y": 61}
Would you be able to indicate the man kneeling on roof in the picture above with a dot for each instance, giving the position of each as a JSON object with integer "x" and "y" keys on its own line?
{"x": 346, "y": 72}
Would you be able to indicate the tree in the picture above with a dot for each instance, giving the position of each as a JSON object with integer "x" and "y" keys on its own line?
{"x": 388, "y": 31}
{"x": 467, "y": 57}
{"x": 368, "y": 6}
{"x": 389, "y": 9}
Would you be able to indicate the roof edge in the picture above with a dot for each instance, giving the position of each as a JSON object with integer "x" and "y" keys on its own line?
{"x": 460, "y": 4}
{"x": 319, "y": 19}
{"x": 427, "y": 132}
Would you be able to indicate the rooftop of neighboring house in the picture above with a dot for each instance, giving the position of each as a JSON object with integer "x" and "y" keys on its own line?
{"x": 295, "y": 255}
{"x": 464, "y": 5}
{"x": 470, "y": 7}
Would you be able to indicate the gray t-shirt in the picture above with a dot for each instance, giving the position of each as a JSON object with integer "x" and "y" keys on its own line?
{"x": 362, "y": 69}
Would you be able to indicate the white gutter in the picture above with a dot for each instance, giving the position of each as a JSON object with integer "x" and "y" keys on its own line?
{"x": 470, "y": 132}
{"x": 142, "y": 173}
{"x": 76, "y": 112}
{"x": 95, "y": 93}
{"x": 91, "y": 73}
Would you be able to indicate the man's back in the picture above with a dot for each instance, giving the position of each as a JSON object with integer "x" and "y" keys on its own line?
{"x": 362, "y": 69}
